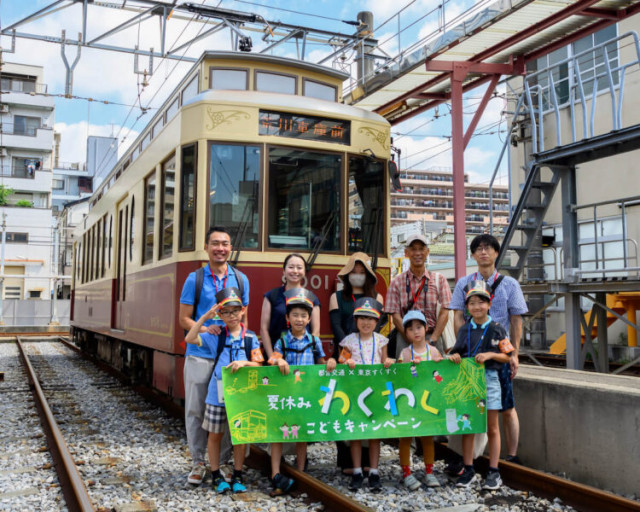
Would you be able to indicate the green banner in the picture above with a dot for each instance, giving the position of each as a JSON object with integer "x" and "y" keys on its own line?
{"x": 369, "y": 402}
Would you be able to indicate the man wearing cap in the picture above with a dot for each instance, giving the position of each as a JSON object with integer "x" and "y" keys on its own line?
{"x": 507, "y": 307}
{"x": 198, "y": 364}
{"x": 419, "y": 289}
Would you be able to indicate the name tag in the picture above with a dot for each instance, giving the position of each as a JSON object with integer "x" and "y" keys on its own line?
{"x": 220, "y": 391}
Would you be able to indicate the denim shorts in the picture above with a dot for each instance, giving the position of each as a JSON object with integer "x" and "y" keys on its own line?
{"x": 494, "y": 395}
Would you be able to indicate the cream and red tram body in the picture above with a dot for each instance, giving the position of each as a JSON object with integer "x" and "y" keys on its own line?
{"x": 258, "y": 144}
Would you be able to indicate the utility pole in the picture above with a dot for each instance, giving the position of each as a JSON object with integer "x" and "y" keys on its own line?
{"x": 54, "y": 300}
{"x": 4, "y": 242}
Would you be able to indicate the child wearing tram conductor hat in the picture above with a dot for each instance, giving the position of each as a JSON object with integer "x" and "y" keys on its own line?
{"x": 365, "y": 347}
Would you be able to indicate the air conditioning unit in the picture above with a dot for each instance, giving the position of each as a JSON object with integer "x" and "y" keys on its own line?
{"x": 4, "y": 108}
{"x": 3, "y": 152}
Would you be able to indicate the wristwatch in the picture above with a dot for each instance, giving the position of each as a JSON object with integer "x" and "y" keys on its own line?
{"x": 433, "y": 342}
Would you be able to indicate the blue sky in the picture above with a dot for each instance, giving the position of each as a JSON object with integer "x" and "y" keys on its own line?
{"x": 108, "y": 76}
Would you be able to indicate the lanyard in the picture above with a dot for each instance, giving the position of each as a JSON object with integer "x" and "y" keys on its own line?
{"x": 373, "y": 350}
{"x": 226, "y": 274}
{"x": 495, "y": 276}
{"x": 479, "y": 342}
{"x": 242, "y": 335}
{"x": 428, "y": 353}
{"x": 300, "y": 354}
{"x": 415, "y": 297}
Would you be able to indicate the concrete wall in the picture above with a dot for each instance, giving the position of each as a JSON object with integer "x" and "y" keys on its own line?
{"x": 33, "y": 312}
{"x": 586, "y": 425}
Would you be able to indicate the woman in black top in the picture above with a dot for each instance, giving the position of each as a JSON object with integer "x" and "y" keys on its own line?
{"x": 358, "y": 280}
{"x": 272, "y": 319}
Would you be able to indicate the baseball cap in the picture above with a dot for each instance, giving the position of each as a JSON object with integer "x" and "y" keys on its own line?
{"x": 416, "y": 238}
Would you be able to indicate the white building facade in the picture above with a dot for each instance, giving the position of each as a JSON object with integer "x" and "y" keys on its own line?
{"x": 26, "y": 142}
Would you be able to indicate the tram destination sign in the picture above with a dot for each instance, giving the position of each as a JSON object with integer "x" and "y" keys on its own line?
{"x": 369, "y": 402}
{"x": 321, "y": 129}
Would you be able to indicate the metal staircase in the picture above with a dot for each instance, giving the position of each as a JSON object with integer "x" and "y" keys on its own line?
{"x": 527, "y": 218}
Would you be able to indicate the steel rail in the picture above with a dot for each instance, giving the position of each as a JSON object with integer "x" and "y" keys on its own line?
{"x": 75, "y": 493}
{"x": 581, "y": 497}
{"x": 332, "y": 499}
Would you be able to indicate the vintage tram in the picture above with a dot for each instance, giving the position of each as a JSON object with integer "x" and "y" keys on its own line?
{"x": 259, "y": 144}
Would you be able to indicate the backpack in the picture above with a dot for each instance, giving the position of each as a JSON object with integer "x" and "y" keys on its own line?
{"x": 316, "y": 354}
{"x": 222, "y": 339}
{"x": 200, "y": 281}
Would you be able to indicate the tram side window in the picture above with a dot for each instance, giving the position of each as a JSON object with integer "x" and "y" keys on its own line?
{"x": 272, "y": 82}
{"x": 168, "y": 197}
{"x": 149, "y": 217}
{"x": 104, "y": 245}
{"x": 234, "y": 185}
{"x": 230, "y": 79}
{"x": 304, "y": 199}
{"x": 188, "y": 197}
{"x": 366, "y": 206}
{"x": 320, "y": 91}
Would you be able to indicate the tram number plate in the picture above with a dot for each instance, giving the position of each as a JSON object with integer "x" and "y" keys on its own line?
{"x": 294, "y": 126}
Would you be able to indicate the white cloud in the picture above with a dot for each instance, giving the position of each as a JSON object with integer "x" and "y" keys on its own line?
{"x": 73, "y": 142}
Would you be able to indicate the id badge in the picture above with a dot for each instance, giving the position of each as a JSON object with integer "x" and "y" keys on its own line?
{"x": 220, "y": 391}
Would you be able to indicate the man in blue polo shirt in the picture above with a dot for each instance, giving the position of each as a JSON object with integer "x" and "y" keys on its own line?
{"x": 507, "y": 307}
{"x": 198, "y": 364}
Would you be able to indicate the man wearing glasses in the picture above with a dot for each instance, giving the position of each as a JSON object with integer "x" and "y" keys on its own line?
{"x": 200, "y": 291}
{"x": 507, "y": 307}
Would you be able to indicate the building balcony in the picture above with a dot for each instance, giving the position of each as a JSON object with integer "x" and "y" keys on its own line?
{"x": 33, "y": 95}
{"x": 40, "y": 139}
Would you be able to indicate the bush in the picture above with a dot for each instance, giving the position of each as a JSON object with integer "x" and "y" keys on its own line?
{"x": 23, "y": 203}
{"x": 5, "y": 192}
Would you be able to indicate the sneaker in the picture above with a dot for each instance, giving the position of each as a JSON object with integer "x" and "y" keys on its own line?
{"x": 467, "y": 478}
{"x": 281, "y": 484}
{"x": 431, "y": 480}
{"x": 493, "y": 481}
{"x": 198, "y": 471}
{"x": 356, "y": 482}
{"x": 455, "y": 468}
{"x": 237, "y": 486}
{"x": 411, "y": 482}
{"x": 374, "y": 482}
{"x": 221, "y": 485}
{"x": 514, "y": 459}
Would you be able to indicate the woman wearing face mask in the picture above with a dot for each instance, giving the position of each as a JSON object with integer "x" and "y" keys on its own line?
{"x": 358, "y": 280}
{"x": 272, "y": 318}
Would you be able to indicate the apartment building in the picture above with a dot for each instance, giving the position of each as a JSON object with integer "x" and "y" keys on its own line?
{"x": 427, "y": 195}
{"x": 26, "y": 142}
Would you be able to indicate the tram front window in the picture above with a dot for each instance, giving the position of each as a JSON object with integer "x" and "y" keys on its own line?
{"x": 234, "y": 184}
{"x": 366, "y": 205}
{"x": 304, "y": 199}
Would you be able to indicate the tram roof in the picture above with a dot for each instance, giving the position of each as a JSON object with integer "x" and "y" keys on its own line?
{"x": 497, "y": 34}
{"x": 273, "y": 59}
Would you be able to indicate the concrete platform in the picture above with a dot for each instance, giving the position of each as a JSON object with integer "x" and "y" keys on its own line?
{"x": 583, "y": 424}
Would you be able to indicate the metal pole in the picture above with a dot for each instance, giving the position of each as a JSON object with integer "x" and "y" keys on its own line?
{"x": 603, "y": 341}
{"x": 55, "y": 271}
{"x": 571, "y": 264}
{"x": 4, "y": 242}
{"x": 457, "y": 148}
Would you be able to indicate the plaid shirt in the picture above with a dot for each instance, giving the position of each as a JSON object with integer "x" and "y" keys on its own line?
{"x": 507, "y": 302}
{"x": 295, "y": 358}
{"x": 436, "y": 289}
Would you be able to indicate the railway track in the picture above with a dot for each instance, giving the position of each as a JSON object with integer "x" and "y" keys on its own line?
{"x": 313, "y": 493}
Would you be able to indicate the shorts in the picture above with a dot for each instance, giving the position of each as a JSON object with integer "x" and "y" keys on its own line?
{"x": 494, "y": 402}
{"x": 215, "y": 419}
{"x": 506, "y": 385}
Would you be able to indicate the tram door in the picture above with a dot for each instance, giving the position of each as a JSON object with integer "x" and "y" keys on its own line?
{"x": 119, "y": 295}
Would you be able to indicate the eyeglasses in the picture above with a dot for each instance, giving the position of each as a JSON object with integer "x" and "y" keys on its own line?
{"x": 232, "y": 312}
{"x": 483, "y": 248}
{"x": 215, "y": 243}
